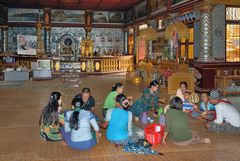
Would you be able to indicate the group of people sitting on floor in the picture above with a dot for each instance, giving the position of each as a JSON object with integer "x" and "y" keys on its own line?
{"x": 220, "y": 114}
{"x": 79, "y": 127}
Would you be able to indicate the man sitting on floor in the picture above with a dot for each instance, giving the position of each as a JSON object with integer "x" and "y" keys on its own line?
{"x": 228, "y": 117}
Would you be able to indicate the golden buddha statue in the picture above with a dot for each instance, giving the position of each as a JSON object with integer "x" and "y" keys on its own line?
{"x": 87, "y": 48}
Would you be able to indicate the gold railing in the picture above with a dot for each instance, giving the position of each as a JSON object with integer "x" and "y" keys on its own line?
{"x": 98, "y": 65}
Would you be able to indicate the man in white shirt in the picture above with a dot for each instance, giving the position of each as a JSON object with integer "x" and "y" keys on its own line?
{"x": 228, "y": 117}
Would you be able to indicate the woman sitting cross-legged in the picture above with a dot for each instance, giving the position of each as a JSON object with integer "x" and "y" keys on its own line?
{"x": 177, "y": 126}
{"x": 118, "y": 122}
{"x": 80, "y": 136}
{"x": 148, "y": 100}
{"x": 51, "y": 119}
{"x": 110, "y": 100}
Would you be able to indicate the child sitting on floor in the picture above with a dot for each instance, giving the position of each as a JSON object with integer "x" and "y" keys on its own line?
{"x": 188, "y": 107}
{"x": 181, "y": 90}
{"x": 78, "y": 134}
{"x": 51, "y": 119}
{"x": 207, "y": 109}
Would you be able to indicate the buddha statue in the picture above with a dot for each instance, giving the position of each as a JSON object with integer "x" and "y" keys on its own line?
{"x": 87, "y": 48}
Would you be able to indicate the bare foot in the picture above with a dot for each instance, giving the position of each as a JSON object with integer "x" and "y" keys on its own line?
{"x": 136, "y": 119}
{"x": 64, "y": 143}
{"x": 207, "y": 140}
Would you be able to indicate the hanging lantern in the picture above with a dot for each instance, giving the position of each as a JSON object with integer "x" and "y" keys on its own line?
{"x": 149, "y": 34}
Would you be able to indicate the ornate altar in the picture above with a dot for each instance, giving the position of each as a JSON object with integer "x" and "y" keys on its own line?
{"x": 106, "y": 64}
{"x": 86, "y": 48}
{"x": 68, "y": 47}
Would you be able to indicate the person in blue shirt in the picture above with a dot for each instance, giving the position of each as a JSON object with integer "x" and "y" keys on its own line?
{"x": 77, "y": 133}
{"x": 119, "y": 122}
{"x": 206, "y": 108}
{"x": 66, "y": 130}
{"x": 188, "y": 107}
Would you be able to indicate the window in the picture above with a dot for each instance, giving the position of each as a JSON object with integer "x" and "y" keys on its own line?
{"x": 160, "y": 24}
{"x": 232, "y": 13}
{"x": 143, "y": 26}
{"x": 187, "y": 46}
{"x": 232, "y": 34}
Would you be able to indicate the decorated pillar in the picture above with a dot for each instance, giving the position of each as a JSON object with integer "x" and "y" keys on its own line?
{"x": 125, "y": 31}
{"x": 40, "y": 43}
{"x": 205, "y": 33}
{"x": 47, "y": 36}
{"x": 47, "y": 30}
{"x": 4, "y": 38}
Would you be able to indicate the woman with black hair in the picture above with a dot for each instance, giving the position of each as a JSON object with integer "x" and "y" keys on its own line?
{"x": 148, "y": 100}
{"x": 177, "y": 126}
{"x": 110, "y": 100}
{"x": 51, "y": 119}
{"x": 118, "y": 122}
{"x": 78, "y": 134}
{"x": 77, "y": 104}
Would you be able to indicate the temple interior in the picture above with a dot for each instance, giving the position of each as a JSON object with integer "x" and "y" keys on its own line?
{"x": 67, "y": 45}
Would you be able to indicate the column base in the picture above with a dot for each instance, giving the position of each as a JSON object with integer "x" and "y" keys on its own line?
{"x": 206, "y": 60}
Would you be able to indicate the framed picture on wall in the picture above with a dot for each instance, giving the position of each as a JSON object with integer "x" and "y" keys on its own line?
{"x": 141, "y": 9}
{"x": 115, "y": 17}
{"x": 24, "y": 15}
{"x": 100, "y": 17}
{"x": 26, "y": 44}
{"x": 68, "y": 16}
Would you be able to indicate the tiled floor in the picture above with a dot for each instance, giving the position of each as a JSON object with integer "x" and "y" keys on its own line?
{"x": 21, "y": 106}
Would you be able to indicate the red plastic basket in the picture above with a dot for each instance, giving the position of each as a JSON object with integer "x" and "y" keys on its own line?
{"x": 154, "y": 133}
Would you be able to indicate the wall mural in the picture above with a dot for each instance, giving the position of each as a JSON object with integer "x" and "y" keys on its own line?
{"x": 67, "y": 16}
{"x": 100, "y": 17}
{"x": 108, "y": 40}
{"x": 12, "y": 36}
{"x": 24, "y": 15}
{"x": 108, "y": 17}
{"x": 115, "y": 17}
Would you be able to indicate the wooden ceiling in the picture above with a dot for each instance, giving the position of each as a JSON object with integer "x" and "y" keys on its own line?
{"x": 108, "y": 5}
